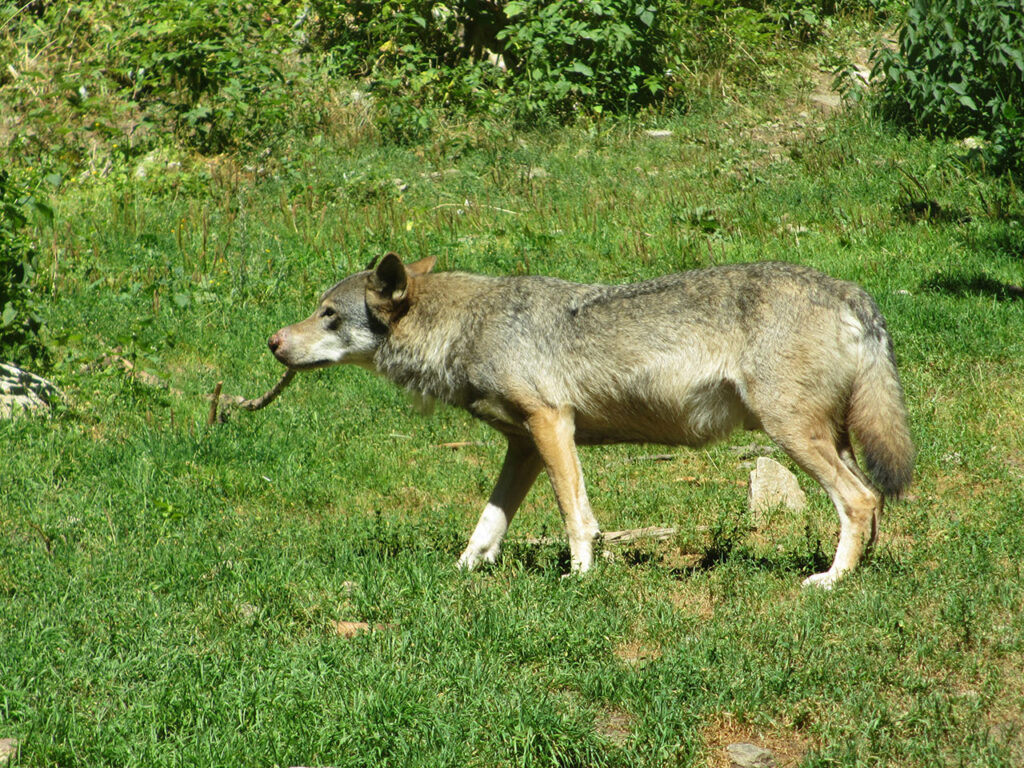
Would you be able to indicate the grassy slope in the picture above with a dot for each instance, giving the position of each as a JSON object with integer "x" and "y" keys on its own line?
{"x": 168, "y": 591}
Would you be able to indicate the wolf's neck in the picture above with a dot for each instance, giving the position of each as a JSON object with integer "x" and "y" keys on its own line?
{"x": 427, "y": 350}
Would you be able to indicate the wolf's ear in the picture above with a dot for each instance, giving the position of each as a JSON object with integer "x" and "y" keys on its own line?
{"x": 390, "y": 278}
{"x": 387, "y": 288}
{"x": 422, "y": 266}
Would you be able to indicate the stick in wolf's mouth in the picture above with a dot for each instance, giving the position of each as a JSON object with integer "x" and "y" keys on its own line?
{"x": 268, "y": 397}
{"x": 252, "y": 404}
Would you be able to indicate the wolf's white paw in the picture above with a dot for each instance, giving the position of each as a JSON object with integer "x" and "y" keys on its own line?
{"x": 825, "y": 580}
{"x": 473, "y": 557}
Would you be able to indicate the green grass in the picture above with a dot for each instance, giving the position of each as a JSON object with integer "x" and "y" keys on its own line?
{"x": 169, "y": 590}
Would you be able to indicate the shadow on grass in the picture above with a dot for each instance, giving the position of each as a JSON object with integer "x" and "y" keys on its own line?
{"x": 801, "y": 563}
{"x": 964, "y": 284}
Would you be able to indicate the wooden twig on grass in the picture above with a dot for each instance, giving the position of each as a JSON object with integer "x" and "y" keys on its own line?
{"x": 656, "y": 532}
{"x": 214, "y": 402}
{"x": 650, "y": 532}
{"x": 251, "y": 404}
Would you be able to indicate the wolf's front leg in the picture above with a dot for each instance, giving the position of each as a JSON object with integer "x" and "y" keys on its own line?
{"x": 553, "y": 431}
{"x": 521, "y": 467}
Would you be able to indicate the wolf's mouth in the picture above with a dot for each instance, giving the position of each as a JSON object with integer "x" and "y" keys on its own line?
{"x": 306, "y": 366}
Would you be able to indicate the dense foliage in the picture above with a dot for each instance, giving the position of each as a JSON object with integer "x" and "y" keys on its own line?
{"x": 19, "y": 317}
{"x": 959, "y": 71}
{"x": 222, "y": 78}
{"x": 553, "y": 59}
{"x": 212, "y": 76}
{"x": 535, "y": 58}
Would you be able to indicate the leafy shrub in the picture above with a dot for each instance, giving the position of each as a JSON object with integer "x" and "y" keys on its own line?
{"x": 805, "y": 20}
{"x": 212, "y": 65}
{"x": 556, "y": 58}
{"x": 210, "y": 71}
{"x": 19, "y": 318}
{"x": 567, "y": 55}
{"x": 959, "y": 72}
{"x": 549, "y": 59}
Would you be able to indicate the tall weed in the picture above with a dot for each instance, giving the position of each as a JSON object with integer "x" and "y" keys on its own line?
{"x": 213, "y": 72}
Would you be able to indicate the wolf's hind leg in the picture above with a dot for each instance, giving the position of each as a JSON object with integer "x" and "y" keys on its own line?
{"x": 828, "y": 460}
{"x": 518, "y": 473}
{"x": 553, "y": 431}
{"x": 846, "y": 453}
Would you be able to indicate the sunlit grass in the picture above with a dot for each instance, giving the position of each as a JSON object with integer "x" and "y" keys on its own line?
{"x": 169, "y": 590}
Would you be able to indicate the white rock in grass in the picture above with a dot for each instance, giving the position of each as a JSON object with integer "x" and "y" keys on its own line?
{"x": 750, "y": 756}
{"x": 8, "y": 749}
{"x": 22, "y": 391}
{"x": 772, "y": 485}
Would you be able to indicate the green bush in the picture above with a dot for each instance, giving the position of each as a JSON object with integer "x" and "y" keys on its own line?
{"x": 19, "y": 318}
{"x": 557, "y": 58}
{"x": 959, "y": 72}
{"x": 540, "y": 60}
{"x": 209, "y": 71}
{"x": 565, "y": 56}
{"x": 213, "y": 67}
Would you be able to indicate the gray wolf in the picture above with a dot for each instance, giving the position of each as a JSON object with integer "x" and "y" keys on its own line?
{"x": 682, "y": 359}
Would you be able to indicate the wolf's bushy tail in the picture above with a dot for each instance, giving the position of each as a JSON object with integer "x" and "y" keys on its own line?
{"x": 878, "y": 416}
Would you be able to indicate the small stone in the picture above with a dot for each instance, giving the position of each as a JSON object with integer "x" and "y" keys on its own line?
{"x": 8, "y": 749}
{"x": 745, "y": 755}
{"x": 657, "y": 133}
{"x": 772, "y": 485}
{"x": 21, "y": 391}
{"x": 828, "y": 101}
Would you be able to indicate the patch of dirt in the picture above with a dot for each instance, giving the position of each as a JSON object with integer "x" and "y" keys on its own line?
{"x": 804, "y": 116}
{"x": 614, "y": 725}
{"x": 1006, "y": 717}
{"x": 789, "y": 747}
{"x": 694, "y": 602}
{"x": 353, "y": 628}
{"x": 633, "y": 652}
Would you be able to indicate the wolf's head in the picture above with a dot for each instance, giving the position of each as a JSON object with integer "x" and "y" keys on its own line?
{"x": 352, "y": 318}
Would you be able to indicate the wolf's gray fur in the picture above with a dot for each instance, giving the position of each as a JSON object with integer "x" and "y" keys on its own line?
{"x": 683, "y": 359}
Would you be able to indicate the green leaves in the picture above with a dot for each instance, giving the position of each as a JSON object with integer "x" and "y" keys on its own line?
{"x": 586, "y": 56}
{"x": 213, "y": 70}
{"x": 959, "y": 72}
{"x": 536, "y": 59}
{"x": 19, "y": 324}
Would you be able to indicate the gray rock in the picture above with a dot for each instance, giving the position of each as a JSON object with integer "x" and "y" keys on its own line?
{"x": 745, "y": 755}
{"x": 8, "y": 749}
{"x": 21, "y": 391}
{"x": 771, "y": 486}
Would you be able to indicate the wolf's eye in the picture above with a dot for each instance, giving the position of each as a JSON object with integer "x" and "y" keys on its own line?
{"x": 327, "y": 312}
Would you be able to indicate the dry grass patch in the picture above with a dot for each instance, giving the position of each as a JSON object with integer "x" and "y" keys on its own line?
{"x": 636, "y": 651}
{"x": 789, "y": 747}
{"x": 694, "y": 601}
{"x": 614, "y": 725}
